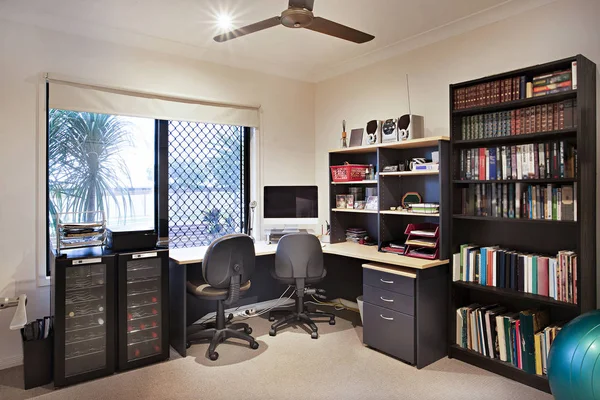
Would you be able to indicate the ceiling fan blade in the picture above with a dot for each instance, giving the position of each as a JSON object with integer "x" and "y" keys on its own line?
{"x": 331, "y": 28}
{"x": 308, "y": 4}
{"x": 259, "y": 26}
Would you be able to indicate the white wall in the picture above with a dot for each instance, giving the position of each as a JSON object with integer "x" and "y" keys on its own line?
{"x": 558, "y": 30}
{"x": 286, "y": 135}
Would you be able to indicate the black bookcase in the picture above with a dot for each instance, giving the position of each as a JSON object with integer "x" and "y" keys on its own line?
{"x": 384, "y": 224}
{"x": 540, "y": 236}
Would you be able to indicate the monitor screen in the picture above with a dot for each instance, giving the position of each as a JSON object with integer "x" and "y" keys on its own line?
{"x": 291, "y": 202}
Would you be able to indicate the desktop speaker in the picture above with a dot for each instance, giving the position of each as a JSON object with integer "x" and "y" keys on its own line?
{"x": 411, "y": 126}
{"x": 373, "y": 132}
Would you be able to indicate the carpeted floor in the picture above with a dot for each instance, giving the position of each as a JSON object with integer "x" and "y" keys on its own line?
{"x": 288, "y": 366}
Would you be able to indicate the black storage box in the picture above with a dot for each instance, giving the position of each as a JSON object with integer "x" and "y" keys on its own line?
{"x": 117, "y": 240}
{"x": 37, "y": 362}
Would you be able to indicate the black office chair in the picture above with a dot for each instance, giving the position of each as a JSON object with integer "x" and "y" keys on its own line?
{"x": 226, "y": 268}
{"x": 299, "y": 262}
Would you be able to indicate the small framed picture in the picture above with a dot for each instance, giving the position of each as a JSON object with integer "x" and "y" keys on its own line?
{"x": 359, "y": 205}
{"x": 356, "y": 137}
{"x": 349, "y": 201}
{"x": 372, "y": 203}
{"x": 340, "y": 201}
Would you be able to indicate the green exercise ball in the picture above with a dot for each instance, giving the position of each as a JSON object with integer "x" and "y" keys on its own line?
{"x": 574, "y": 359}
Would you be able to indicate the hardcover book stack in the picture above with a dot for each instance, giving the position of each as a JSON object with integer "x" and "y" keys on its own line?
{"x": 499, "y": 91}
{"x": 517, "y": 200}
{"x": 554, "y": 277}
{"x": 555, "y": 82}
{"x": 522, "y": 339}
{"x": 548, "y": 160}
{"x": 522, "y": 121}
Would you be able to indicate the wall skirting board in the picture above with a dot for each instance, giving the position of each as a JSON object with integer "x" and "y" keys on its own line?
{"x": 9, "y": 362}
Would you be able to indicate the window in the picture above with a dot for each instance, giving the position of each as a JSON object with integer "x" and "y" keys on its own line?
{"x": 101, "y": 162}
{"x": 118, "y": 164}
{"x": 208, "y": 182}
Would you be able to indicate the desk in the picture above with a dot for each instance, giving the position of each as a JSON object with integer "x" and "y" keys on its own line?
{"x": 195, "y": 255}
{"x": 430, "y": 289}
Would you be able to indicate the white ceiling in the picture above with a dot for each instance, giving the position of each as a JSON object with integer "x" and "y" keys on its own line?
{"x": 186, "y": 28}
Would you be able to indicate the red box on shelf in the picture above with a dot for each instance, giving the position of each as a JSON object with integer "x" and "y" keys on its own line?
{"x": 348, "y": 172}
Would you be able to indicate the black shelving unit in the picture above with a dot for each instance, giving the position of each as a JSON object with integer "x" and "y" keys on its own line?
{"x": 386, "y": 226}
{"x": 527, "y": 235}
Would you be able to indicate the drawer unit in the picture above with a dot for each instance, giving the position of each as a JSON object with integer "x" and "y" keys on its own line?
{"x": 392, "y": 300}
{"x": 387, "y": 281}
{"x": 389, "y": 331}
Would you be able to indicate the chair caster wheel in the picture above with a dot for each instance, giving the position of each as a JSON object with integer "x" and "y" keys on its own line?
{"x": 248, "y": 331}
{"x": 272, "y": 332}
{"x": 314, "y": 335}
{"x": 213, "y": 356}
{"x": 271, "y": 319}
{"x": 254, "y": 345}
{"x": 332, "y": 321}
{"x": 188, "y": 345}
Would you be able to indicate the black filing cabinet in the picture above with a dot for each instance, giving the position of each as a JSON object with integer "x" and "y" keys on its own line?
{"x": 404, "y": 311}
{"x": 143, "y": 328}
{"x": 83, "y": 304}
{"x": 388, "y": 313}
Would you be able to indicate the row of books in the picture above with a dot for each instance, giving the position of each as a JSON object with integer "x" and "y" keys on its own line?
{"x": 515, "y": 88}
{"x": 520, "y": 201}
{"x": 555, "y": 277}
{"x": 499, "y": 91}
{"x": 548, "y": 160}
{"x": 522, "y": 339}
{"x": 555, "y": 82}
{"x": 535, "y": 119}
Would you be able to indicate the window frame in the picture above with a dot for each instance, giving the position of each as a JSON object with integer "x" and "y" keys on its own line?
{"x": 161, "y": 180}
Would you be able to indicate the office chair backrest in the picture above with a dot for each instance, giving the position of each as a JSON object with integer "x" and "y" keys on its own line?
{"x": 299, "y": 255}
{"x": 227, "y": 257}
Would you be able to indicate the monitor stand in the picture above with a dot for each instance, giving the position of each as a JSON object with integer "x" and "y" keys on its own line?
{"x": 273, "y": 235}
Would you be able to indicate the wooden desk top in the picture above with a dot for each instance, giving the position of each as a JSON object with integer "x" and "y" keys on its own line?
{"x": 193, "y": 255}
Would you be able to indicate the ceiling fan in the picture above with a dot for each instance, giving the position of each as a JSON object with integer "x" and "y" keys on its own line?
{"x": 300, "y": 15}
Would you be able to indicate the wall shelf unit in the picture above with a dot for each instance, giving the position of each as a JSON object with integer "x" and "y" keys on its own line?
{"x": 513, "y": 123}
{"x": 385, "y": 225}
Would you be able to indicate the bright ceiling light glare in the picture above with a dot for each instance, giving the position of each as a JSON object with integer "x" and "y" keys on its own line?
{"x": 225, "y": 22}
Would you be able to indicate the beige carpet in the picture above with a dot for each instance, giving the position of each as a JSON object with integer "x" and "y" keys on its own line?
{"x": 288, "y": 366}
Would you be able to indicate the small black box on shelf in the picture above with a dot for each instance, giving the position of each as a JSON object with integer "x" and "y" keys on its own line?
{"x": 118, "y": 240}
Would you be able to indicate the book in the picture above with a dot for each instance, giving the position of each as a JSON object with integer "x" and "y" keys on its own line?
{"x": 531, "y": 322}
{"x": 538, "y": 353}
{"x": 456, "y": 271}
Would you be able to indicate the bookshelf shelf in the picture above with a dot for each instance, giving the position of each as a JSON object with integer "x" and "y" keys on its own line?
{"x": 409, "y": 173}
{"x": 517, "y": 139}
{"x": 532, "y": 181}
{"x": 412, "y": 214}
{"x": 499, "y": 367}
{"x": 365, "y": 182}
{"x": 351, "y": 210}
{"x": 509, "y": 105}
{"x": 514, "y": 220}
{"x": 514, "y": 294}
{"x": 522, "y": 235}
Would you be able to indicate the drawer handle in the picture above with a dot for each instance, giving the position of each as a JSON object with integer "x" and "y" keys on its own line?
{"x": 386, "y": 318}
{"x": 388, "y": 300}
{"x": 384, "y": 281}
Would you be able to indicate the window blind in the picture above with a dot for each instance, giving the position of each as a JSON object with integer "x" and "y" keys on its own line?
{"x": 75, "y": 96}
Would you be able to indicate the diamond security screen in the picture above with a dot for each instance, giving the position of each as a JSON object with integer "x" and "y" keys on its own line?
{"x": 207, "y": 173}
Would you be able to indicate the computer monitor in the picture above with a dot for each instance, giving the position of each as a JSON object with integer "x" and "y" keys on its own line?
{"x": 291, "y": 205}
